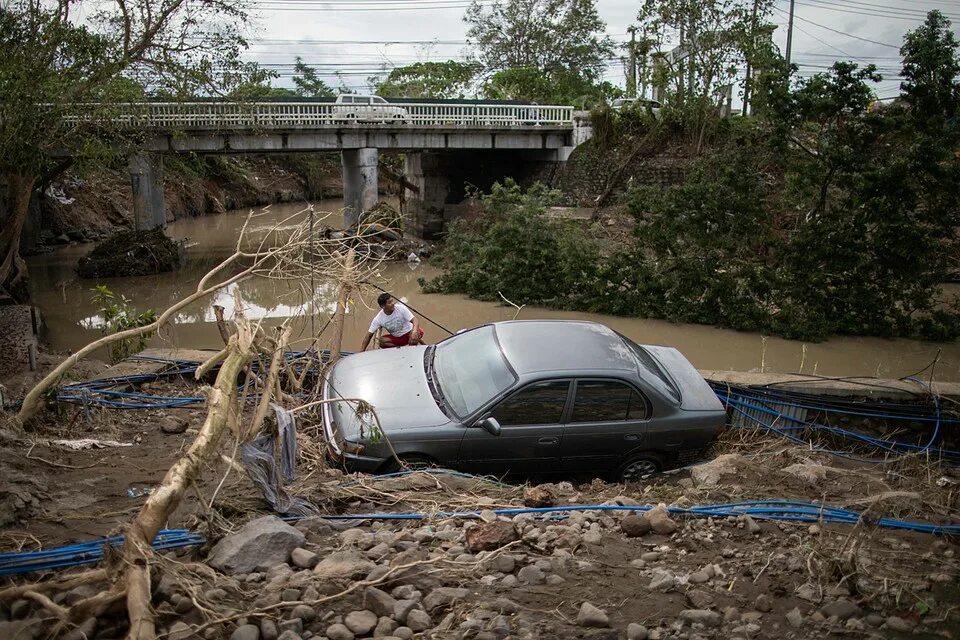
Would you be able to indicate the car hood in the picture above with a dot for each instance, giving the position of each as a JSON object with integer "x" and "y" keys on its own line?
{"x": 695, "y": 393}
{"x": 393, "y": 381}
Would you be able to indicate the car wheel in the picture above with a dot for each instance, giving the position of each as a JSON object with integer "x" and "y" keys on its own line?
{"x": 638, "y": 467}
{"x": 408, "y": 462}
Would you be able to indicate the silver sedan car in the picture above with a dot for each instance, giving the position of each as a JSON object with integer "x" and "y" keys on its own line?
{"x": 522, "y": 397}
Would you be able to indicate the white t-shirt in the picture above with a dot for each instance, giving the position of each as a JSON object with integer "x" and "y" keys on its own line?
{"x": 398, "y": 323}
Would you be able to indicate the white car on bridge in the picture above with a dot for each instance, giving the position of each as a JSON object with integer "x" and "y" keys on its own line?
{"x": 357, "y": 108}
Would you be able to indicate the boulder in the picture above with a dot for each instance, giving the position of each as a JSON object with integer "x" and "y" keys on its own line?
{"x": 258, "y": 545}
{"x": 442, "y": 597}
{"x": 246, "y": 632}
{"x": 380, "y": 602}
{"x": 660, "y": 520}
{"x": 636, "y": 631}
{"x": 634, "y": 526}
{"x": 709, "y": 473}
{"x": 538, "y": 497}
{"x": 303, "y": 558}
{"x": 361, "y": 622}
{"x": 592, "y": 616}
{"x": 842, "y": 609}
{"x": 419, "y": 620}
{"x": 346, "y": 564}
{"x": 704, "y": 616}
{"x": 489, "y": 536}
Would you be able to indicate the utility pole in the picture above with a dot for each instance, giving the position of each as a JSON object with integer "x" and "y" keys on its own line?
{"x": 748, "y": 81}
{"x": 632, "y": 61}
{"x": 789, "y": 33}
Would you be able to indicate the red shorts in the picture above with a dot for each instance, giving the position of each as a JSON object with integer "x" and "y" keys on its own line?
{"x": 404, "y": 340}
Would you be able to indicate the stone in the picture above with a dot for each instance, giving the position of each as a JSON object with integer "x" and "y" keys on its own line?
{"x": 662, "y": 583}
{"x": 290, "y": 595}
{"x": 592, "y": 616}
{"x": 84, "y": 631}
{"x": 385, "y": 627}
{"x": 379, "y": 601}
{"x": 361, "y": 622}
{"x": 634, "y": 526}
{"x": 751, "y": 525}
{"x": 808, "y": 592}
{"x": 406, "y": 592}
{"x": 404, "y": 633}
{"x": 795, "y": 618}
{"x": 504, "y": 605}
{"x": 505, "y": 564}
{"x": 700, "y": 599}
{"x": 874, "y": 619}
{"x": 900, "y": 624}
{"x": 592, "y": 537}
{"x": 538, "y": 497}
{"x": 268, "y": 629}
{"x": 703, "y": 616}
{"x": 698, "y": 577}
{"x": 345, "y": 565}
{"x": 489, "y": 536}
{"x": 842, "y": 609}
{"x": 650, "y": 556}
{"x": 442, "y": 597}
{"x": 338, "y": 632}
{"x": 531, "y": 575}
{"x": 402, "y": 608}
{"x": 709, "y": 473}
{"x": 419, "y": 620}
{"x": 660, "y": 520}
{"x": 510, "y": 581}
{"x": 246, "y": 632}
{"x": 289, "y": 634}
{"x": 173, "y": 425}
{"x": 636, "y": 631}
{"x": 554, "y": 579}
{"x": 180, "y": 631}
{"x": 303, "y": 558}
{"x": 304, "y": 612}
{"x": 291, "y": 624}
{"x": 357, "y": 537}
{"x": 258, "y": 545}
{"x": 763, "y": 603}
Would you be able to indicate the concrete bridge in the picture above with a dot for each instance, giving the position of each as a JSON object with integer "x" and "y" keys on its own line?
{"x": 445, "y": 144}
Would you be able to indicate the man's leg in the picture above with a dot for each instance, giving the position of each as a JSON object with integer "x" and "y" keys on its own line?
{"x": 386, "y": 342}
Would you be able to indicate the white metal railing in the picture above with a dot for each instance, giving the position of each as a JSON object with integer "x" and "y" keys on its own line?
{"x": 310, "y": 115}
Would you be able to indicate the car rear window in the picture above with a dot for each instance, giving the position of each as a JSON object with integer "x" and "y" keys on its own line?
{"x": 648, "y": 364}
{"x": 606, "y": 401}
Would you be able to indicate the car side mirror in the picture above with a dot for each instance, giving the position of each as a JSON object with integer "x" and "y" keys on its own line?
{"x": 490, "y": 425}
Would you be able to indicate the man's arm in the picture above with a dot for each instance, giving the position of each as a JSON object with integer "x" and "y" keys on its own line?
{"x": 415, "y": 333}
{"x": 366, "y": 341}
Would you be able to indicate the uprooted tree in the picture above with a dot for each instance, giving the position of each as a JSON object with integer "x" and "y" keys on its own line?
{"x": 62, "y": 76}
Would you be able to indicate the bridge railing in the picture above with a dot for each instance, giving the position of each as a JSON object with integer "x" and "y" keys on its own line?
{"x": 308, "y": 115}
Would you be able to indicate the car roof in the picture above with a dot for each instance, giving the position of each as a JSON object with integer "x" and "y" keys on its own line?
{"x": 563, "y": 345}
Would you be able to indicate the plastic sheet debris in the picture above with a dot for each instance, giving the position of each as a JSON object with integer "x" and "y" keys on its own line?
{"x": 89, "y": 443}
{"x": 134, "y": 492}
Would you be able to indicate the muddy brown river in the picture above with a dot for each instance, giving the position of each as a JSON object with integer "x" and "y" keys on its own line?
{"x": 71, "y": 319}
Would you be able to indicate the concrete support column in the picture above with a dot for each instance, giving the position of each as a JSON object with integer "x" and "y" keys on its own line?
{"x": 423, "y": 217}
{"x": 146, "y": 177}
{"x": 359, "y": 183}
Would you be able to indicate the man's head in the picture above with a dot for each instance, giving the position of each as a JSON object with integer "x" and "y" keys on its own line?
{"x": 386, "y": 302}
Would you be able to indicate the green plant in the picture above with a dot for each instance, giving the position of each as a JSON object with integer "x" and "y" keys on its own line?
{"x": 119, "y": 315}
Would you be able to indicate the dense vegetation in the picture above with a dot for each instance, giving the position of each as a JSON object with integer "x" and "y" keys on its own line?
{"x": 826, "y": 214}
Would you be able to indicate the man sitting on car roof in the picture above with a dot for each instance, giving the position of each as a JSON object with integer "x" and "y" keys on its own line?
{"x": 400, "y": 326}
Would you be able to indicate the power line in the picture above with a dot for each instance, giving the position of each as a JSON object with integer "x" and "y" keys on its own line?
{"x": 843, "y": 33}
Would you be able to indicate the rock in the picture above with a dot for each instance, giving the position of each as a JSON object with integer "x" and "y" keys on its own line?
{"x": 795, "y": 618}
{"x": 180, "y": 631}
{"x": 304, "y": 612}
{"x": 489, "y": 536}
{"x": 660, "y": 520}
{"x": 361, "y": 622}
{"x": 258, "y": 545}
{"x": 763, "y": 603}
{"x": 875, "y": 620}
{"x": 291, "y": 624}
{"x": 339, "y": 632}
{"x": 404, "y": 633}
{"x": 900, "y": 624}
{"x": 419, "y": 620}
{"x": 538, "y": 497}
{"x": 592, "y": 537}
{"x": 290, "y": 595}
{"x": 504, "y": 605}
{"x": 842, "y": 609}
{"x": 662, "y": 583}
{"x": 380, "y": 602}
{"x": 268, "y": 629}
{"x": 406, "y": 592}
{"x": 709, "y": 473}
{"x": 591, "y": 616}
{"x": 19, "y": 609}
{"x": 510, "y": 581}
{"x": 650, "y": 556}
{"x": 700, "y": 599}
{"x": 751, "y": 525}
{"x": 554, "y": 579}
{"x": 441, "y": 597}
{"x": 505, "y": 564}
{"x": 246, "y": 632}
{"x": 402, "y": 608}
{"x": 84, "y": 631}
{"x": 703, "y": 616}
{"x": 172, "y": 425}
{"x": 385, "y": 627}
{"x": 808, "y": 592}
{"x": 345, "y": 565}
{"x": 289, "y": 635}
{"x": 635, "y": 526}
{"x": 303, "y": 558}
{"x": 636, "y": 631}
{"x": 698, "y": 577}
{"x": 531, "y": 575}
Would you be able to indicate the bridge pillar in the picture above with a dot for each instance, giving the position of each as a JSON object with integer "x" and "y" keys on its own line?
{"x": 423, "y": 215}
{"x": 359, "y": 183}
{"x": 146, "y": 178}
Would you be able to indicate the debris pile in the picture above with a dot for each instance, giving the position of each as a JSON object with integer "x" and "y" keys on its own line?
{"x": 131, "y": 253}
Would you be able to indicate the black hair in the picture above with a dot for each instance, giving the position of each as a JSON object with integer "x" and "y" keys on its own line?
{"x": 382, "y": 298}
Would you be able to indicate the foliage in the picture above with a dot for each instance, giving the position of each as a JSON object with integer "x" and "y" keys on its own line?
{"x": 511, "y": 247}
{"x": 556, "y": 87}
{"x": 307, "y": 83}
{"x": 118, "y": 315}
{"x": 442, "y": 80}
{"x": 542, "y": 34}
{"x": 250, "y": 81}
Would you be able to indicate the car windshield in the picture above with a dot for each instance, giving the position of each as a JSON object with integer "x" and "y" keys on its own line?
{"x": 470, "y": 370}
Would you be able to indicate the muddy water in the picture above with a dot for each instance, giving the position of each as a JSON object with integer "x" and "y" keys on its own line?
{"x": 71, "y": 319}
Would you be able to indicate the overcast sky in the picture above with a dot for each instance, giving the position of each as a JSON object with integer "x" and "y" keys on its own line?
{"x": 352, "y": 36}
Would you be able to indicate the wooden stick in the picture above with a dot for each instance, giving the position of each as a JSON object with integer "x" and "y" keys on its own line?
{"x": 338, "y": 316}
{"x": 269, "y": 386}
{"x": 221, "y": 324}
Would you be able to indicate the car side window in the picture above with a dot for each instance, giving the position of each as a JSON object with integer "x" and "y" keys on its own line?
{"x": 539, "y": 403}
{"x": 347, "y": 99}
{"x": 607, "y": 401}
{"x": 379, "y": 100}
{"x": 363, "y": 100}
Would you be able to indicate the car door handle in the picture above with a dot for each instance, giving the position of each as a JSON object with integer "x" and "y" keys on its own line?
{"x": 548, "y": 441}
{"x": 631, "y": 436}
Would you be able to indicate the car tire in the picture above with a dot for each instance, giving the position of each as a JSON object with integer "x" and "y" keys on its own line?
{"x": 408, "y": 462}
{"x": 638, "y": 466}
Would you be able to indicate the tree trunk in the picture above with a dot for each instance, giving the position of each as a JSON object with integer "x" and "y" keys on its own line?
{"x": 13, "y": 270}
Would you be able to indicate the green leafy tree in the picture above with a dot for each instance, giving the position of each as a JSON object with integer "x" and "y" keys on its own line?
{"x": 61, "y": 75}
{"x": 557, "y": 87}
{"x": 443, "y": 80}
{"x": 251, "y": 81}
{"x": 542, "y": 34}
{"x": 307, "y": 83}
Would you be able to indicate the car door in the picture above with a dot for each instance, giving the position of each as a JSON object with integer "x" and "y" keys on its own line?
{"x": 608, "y": 419}
{"x": 380, "y": 111}
{"x": 531, "y": 432}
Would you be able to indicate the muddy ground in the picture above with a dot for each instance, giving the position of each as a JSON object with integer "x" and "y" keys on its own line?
{"x": 489, "y": 577}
